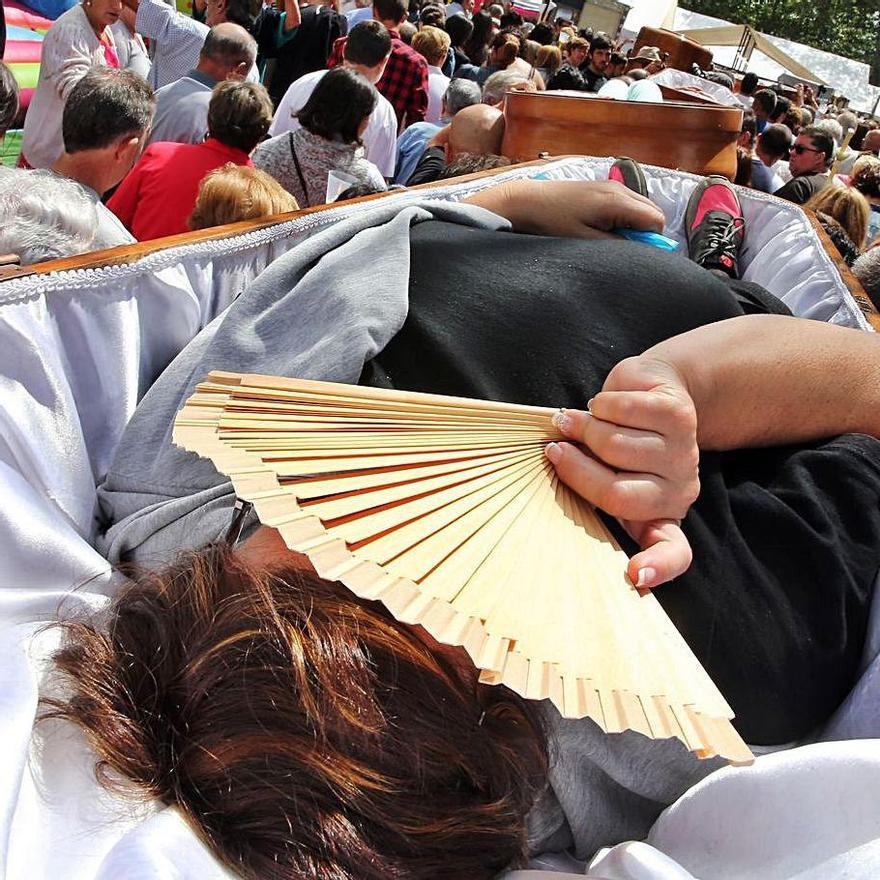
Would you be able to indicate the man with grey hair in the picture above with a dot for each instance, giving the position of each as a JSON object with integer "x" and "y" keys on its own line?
{"x": 178, "y": 38}
{"x": 503, "y": 81}
{"x": 832, "y": 128}
{"x": 460, "y": 93}
{"x": 181, "y": 117}
{"x": 44, "y": 216}
{"x": 104, "y": 127}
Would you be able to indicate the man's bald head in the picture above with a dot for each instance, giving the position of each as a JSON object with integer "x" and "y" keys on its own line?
{"x": 229, "y": 52}
{"x": 871, "y": 143}
{"x": 477, "y": 129}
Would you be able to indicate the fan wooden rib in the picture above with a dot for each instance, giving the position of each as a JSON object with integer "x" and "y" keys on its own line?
{"x": 447, "y": 511}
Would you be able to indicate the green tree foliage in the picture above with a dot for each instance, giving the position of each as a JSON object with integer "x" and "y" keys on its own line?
{"x": 846, "y": 27}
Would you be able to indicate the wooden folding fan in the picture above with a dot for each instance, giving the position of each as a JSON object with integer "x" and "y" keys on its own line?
{"x": 448, "y": 512}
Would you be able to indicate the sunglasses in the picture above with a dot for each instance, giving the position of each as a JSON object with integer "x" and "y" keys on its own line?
{"x": 800, "y": 149}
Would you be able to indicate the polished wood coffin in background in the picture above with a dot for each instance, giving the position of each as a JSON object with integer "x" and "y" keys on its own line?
{"x": 686, "y": 136}
{"x": 682, "y": 52}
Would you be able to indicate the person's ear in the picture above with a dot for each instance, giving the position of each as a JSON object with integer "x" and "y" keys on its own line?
{"x": 128, "y": 149}
{"x": 240, "y": 71}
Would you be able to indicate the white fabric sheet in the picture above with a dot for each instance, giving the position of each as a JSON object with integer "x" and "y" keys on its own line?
{"x": 679, "y": 79}
{"x": 78, "y": 351}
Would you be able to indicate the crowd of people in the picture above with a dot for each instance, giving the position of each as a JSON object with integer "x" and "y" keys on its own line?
{"x": 333, "y": 105}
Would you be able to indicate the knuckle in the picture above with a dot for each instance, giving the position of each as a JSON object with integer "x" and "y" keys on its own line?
{"x": 681, "y": 413}
{"x": 624, "y": 374}
{"x": 613, "y": 447}
{"x": 619, "y": 500}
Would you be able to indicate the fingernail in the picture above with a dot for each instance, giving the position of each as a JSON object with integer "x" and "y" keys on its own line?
{"x": 647, "y": 576}
{"x": 561, "y": 421}
{"x": 553, "y": 451}
{"x": 590, "y": 405}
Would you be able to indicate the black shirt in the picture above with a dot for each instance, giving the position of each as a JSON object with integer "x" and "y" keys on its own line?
{"x": 801, "y": 189}
{"x": 594, "y": 80}
{"x": 567, "y": 77}
{"x": 308, "y": 49}
{"x": 786, "y": 540}
{"x": 430, "y": 167}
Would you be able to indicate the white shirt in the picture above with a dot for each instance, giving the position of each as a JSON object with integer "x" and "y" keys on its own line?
{"x": 131, "y": 50}
{"x": 110, "y": 232}
{"x": 356, "y": 16}
{"x": 380, "y": 137}
{"x": 182, "y": 110}
{"x": 438, "y": 83}
{"x": 70, "y": 49}
{"x": 179, "y": 40}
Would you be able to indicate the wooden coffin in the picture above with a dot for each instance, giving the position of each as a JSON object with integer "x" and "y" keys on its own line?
{"x": 686, "y": 136}
{"x": 682, "y": 52}
{"x": 689, "y": 95}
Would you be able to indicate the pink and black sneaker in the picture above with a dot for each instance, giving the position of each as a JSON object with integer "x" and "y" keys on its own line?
{"x": 629, "y": 173}
{"x": 714, "y": 226}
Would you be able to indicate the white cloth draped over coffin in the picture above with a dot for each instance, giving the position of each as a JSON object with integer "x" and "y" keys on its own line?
{"x": 79, "y": 349}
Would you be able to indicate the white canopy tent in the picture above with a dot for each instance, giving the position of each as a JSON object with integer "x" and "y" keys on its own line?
{"x": 747, "y": 40}
{"x": 648, "y": 13}
{"x": 848, "y": 77}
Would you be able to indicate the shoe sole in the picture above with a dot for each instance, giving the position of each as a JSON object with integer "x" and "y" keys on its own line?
{"x": 691, "y": 210}
{"x": 633, "y": 176}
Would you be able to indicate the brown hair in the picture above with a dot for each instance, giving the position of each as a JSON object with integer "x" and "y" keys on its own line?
{"x": 505, "y": 50}
{"x": 577, "y": 43}
{"x": 432, "y": 44}
{"x": 847, "y": 206}
{"x": 549, "y": 58}
{"x": 794, "y": 120}
{"x": 866, "y": 176}
{"x": 239, "y": 114}
{"x": 236, "y": 192}
{"x": 301, "y": 731}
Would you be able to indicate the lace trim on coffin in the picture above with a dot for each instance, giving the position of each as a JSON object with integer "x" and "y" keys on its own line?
{"x": 842, "y": 308}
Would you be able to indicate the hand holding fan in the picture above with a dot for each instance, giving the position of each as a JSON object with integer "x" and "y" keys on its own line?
{"x": 447, "y": 511}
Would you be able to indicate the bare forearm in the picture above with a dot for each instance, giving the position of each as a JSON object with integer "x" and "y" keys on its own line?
{"x": 293, "y": 17}
{"x": 765, "y": 380}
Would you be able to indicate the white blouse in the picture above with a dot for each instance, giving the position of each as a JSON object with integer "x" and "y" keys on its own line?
{"x": 70, "y": 48}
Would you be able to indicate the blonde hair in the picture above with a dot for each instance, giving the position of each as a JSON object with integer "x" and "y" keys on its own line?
{"x": 847, "y": 206}
{"x": 549, "y": 59}
{"x": 432, "y": 44}
{"x": 236, "y": 192}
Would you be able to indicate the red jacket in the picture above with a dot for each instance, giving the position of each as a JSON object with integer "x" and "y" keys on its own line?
{"x": 159, "y": 193}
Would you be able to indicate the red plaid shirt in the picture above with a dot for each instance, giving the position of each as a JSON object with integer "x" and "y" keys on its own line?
{"x": 404, "y": 83}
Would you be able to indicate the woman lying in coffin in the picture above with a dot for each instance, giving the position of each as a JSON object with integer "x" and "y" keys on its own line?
{"x": 303, "y": 732}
